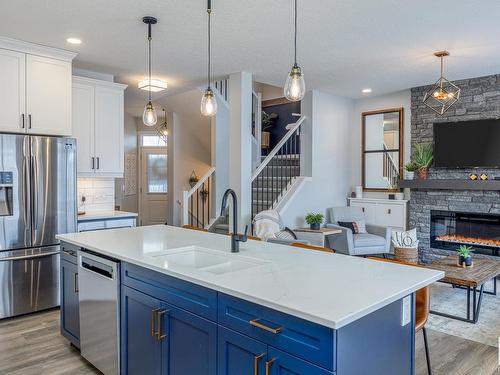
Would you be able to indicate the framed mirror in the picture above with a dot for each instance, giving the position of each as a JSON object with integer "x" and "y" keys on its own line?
{"x": 382, "y": 149}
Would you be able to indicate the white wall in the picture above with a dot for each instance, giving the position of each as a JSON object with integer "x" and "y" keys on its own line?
{"x": 394, "y": 100}
{"x": 329, "y": 120}
{"x": 268, "y": 91}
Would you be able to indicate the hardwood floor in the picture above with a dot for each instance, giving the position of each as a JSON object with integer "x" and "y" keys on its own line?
{"x": 32, "y": 345}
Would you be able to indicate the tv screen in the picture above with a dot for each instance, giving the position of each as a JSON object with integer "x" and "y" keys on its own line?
{"x": 467, "y": 144}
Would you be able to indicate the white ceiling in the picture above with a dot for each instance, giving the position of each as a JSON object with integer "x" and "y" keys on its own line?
{"x": 344, "y": 45}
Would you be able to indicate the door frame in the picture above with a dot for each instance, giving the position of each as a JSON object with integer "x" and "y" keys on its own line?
{"x": 140, "y": 149}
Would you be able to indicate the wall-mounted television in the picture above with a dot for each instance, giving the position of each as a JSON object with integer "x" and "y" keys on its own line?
{"x": 467, "y": 144}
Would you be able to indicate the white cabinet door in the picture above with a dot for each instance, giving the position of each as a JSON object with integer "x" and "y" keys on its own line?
{"x": 83, "y": 127}
{"x": 390, "y": 215}
{"x": 48, "y": 95}
{"x": 12, "y": 91}
{"x": 368, "y": 209}
{"x": 109, "y": 131}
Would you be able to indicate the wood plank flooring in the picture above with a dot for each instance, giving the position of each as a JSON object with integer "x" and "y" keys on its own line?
{"x": 32, "y": 345}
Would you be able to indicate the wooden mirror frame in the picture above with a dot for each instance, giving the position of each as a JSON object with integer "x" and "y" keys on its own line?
{"x": 363, "y": 145}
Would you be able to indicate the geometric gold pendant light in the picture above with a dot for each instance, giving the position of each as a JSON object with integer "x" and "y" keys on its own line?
{"x": 443, "y": 94}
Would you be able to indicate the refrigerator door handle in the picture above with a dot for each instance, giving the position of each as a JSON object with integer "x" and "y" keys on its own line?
{"x": 30, "y": 256}
{"x": 34, "y": 192}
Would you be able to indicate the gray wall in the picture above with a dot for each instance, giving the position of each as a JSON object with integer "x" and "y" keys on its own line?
{"x": 479, "y": 99}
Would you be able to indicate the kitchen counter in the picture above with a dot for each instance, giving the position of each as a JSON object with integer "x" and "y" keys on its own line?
{"x": 105, "y": 215}
{"x": 332, "y": 290}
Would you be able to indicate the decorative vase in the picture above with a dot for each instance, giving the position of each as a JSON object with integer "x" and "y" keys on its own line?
{"x": 465, "y": 260}
{"x": 423, "y": 173}
{"x": 314, "y": 226}
{"x": 409, "y": 175}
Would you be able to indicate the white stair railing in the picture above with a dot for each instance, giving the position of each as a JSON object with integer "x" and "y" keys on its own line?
{"x": 269, "y": 184}
{"x": 196, "y": 202}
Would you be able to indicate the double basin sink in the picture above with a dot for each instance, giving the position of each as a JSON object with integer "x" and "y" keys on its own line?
{"x": 206, "y": 260}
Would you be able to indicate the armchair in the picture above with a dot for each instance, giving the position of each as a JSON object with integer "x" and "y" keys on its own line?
{"x": 376, "y": 240}
{"x": 268, "y": 223}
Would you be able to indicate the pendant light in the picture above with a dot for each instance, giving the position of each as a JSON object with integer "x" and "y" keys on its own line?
{"x": 443, "y": 94}
{"x": 295, "y": 87}
{"x": 149, "y": 116}
{"x": 162, "y": 129}
{"x": 208, "y": 101}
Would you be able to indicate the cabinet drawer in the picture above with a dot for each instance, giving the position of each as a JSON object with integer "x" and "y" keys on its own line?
{"x": 119, "y": 223}
{"x": 368, "y": 209}
{"x": 285, "y": 364}
{"x": 298, "y": 337}
{"x": 390, "y": 215}
{"x": 180, "y": 293}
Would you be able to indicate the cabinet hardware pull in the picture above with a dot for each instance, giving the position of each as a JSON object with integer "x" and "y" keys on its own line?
{"x": 159, "y": 335}
{"x": 363, "y": 209}
{"x": 389, "y": 211}
{"x": 76, "y": 282}
{"x": 256, "y": 361}
{"x": 98, "y": 162}
{"x": 256, "y": 323}
{"x": 23, "y": 119}
{"x": 93, "y": 162}
{"x": 153, "y": 322}
{"x": 268, "y": 365}
{"x": 29, "y": 121}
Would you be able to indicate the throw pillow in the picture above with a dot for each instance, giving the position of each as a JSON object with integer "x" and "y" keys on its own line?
{"x": 286, "y": 234}
{"x": 350, "y": 225}
{"x": 361, "y": 226}
{"x": 405, "y": 239}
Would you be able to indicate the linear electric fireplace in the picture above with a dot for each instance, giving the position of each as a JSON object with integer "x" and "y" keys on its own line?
{"x": 450, "y": 229}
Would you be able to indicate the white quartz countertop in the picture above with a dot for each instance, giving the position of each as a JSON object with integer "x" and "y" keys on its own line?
{"x": 329, "y": 289}
{"x": 104, "y": 215}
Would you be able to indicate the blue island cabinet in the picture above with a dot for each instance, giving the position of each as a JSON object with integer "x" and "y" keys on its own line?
{"x": 70, "y": 307}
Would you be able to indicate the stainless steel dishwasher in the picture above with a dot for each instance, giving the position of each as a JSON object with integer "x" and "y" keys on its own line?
{"x": 99, "y": 295}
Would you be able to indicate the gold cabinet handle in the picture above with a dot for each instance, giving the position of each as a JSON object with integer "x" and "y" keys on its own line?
{"x": 256, "y": 361}
{"x": 160, "y": 336}
{"x": 268, "y": 365}
{"x": 153, "y": 322}
{"x": 256, "y": 323}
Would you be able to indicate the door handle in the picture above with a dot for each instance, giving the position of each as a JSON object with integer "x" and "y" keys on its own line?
{"x": 153, "y": 322}
{"x": 256, "y": 361}
{"x": 160, "y": 336}
{"x": 269, "y": 364}
{"x": 29, "y": 121}
{"x": 93, "y": 162}
{"x": 23, "y": 120}
{"x": 76, "y": 282}
{"x": 389, "y": 211}
{"x": 98, "y": 162}
{"x": 28, "y": 257}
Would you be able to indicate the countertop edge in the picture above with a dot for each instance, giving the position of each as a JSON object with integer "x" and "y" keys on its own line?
{"x": 300, "y": 314}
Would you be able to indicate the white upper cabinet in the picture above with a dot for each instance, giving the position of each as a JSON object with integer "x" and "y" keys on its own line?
{"x": 83, "y": 126}
{"x": 98, "y": 116}
{"x": 48, "y": 95}
{"x": 12, "y": 91}
{"x": 35, "y": 88}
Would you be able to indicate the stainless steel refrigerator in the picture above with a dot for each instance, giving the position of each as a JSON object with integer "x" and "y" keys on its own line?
{"x": 37, "y": 201}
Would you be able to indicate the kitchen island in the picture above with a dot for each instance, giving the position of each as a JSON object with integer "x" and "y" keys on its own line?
{"x": 190, "y": 306}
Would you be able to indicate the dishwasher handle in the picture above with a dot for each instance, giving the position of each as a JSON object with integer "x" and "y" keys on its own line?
{"x": 96, "y": 267}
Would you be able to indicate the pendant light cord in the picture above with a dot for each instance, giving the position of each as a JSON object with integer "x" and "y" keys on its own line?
{"x": 295, "y": 35}
{"x": 209, "y": 11}
{"x": 149, "y": 63}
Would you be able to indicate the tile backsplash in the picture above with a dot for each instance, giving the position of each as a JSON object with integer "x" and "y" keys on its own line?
{"x": 99, "y": 194}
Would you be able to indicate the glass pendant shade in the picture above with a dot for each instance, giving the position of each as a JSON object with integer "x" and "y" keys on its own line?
{"x": 208, "y": 103}
{"x": 149, "y": 117}
{"x": 295, "y": 86}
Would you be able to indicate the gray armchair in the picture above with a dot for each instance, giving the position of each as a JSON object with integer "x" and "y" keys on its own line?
{"x": 377, "y": 240}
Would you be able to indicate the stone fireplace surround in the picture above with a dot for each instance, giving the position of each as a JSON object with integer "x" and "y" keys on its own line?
{"x": 480, "y": 99}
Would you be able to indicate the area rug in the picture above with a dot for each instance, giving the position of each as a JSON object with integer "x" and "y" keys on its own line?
{"x": 446, "y": 299}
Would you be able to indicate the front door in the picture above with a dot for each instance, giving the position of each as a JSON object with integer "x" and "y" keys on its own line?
{"x": 153, "y": 191}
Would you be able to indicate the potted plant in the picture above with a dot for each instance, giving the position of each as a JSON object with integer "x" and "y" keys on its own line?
{"x": 193, "y": 179}
{"x": 422, "y": 156}
{"x": 465, "y": 255}
{"x": 268, "y": 120}
{"x": 410, "y": 169}
{"x": 314, "y": 220}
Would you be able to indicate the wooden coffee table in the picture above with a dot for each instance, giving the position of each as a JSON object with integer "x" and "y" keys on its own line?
{"x": 472, "y": 279}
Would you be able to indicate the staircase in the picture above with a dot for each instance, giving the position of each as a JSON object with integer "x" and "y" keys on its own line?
{"x": 278, "y": 171}
{"x": 276, "y": 176}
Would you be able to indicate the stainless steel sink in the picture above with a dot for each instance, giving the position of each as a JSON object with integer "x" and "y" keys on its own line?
{"x": 207, "y": 260}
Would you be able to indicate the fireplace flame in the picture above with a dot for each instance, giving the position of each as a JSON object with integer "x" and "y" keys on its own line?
{"x": 468, "y": 240}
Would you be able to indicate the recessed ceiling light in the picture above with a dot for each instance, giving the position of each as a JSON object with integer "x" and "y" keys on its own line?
{"x": 74, "y": 41}
{"x": 366, "y": 91}
{"x": 156, "y": 85}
